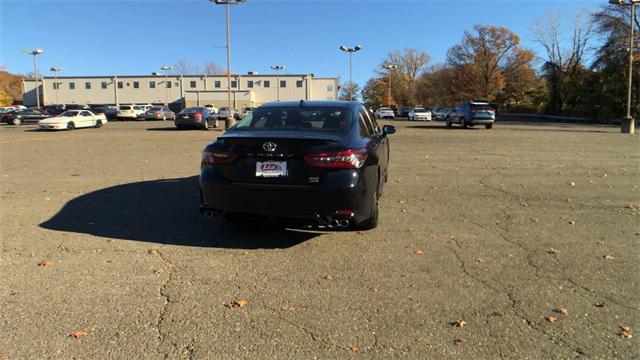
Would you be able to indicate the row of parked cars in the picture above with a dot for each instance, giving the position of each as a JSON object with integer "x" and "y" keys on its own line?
{"x": 466, "y": 114}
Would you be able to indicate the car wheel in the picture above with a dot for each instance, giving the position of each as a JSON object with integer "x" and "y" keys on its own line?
{"x": 205, "y": 125}
{"x": 17, "y": 121}
{"x": 463, "y": 123}
{"x": 98, "y": 124}
{"x": 179, "y": 127}
{"x": 71, "y": 126}
{"x": 448, "y": 123}
{"x": 488, "y": 126}
{"x": 372, "y": 221}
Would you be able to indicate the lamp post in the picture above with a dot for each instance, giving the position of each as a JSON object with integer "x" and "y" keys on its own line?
{"x": 166, "y": 69}
{"x": 228, "y": 122}
{"x": 351, "y": 51}
{"x": 35, "y": 52}
{"x": 628, "y": 124}
{"x": 277, "y": 68}
{"x": 55, "y": 70}
{"x": 390, "y": 68}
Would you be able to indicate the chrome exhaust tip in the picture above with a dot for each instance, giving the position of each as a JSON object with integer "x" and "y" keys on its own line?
{"x": 344, "y": 223}
{"x": 335, "y": 223}
{"x": 210, "y": 214}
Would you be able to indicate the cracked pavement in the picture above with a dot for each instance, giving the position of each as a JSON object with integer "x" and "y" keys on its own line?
{"x": 497, "y": 228}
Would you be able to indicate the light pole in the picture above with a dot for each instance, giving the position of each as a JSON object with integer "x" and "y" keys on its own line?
{"x": 35, "y": 52}
{"x": 390, "y": 68}
{"x": 228, "y": 3}
{"x": 628, "y": 124}
{"x": 55, "y": 70}
{"x": 351, "y": 51}
{"x": 166, "y": 69}
{"x": 277, "y": 68}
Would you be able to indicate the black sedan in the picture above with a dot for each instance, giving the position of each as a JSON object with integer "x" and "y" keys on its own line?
{"x": 195, "y": 118}
{"x": 321, "y": 163}
{"x": 18, "y": 117}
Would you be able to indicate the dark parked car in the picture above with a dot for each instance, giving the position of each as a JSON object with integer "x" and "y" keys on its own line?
{"x": 404, "y": 111}
{"x": 315, "y": 162}
{"x": 195, "y": 118}
{"x": 18, "y": 117}
{"x": 109, "y": 111}
{"x": 472, "y": 113}
{"x": 54, "y": 109}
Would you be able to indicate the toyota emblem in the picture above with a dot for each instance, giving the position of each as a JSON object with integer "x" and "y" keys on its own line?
{"x": 269, "y": 146}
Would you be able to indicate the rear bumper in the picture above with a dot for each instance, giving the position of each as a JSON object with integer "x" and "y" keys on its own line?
{"x": 188, "y": 123}
{"x": 481, "y": 121}
{"x": 318, "y": 204}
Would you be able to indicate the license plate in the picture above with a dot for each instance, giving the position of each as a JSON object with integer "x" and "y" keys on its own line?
{"x": 271, "y": 168}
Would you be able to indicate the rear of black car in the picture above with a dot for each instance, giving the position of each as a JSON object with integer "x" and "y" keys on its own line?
{"x": 194, "y": 118}
{"x": 293, "y": 162}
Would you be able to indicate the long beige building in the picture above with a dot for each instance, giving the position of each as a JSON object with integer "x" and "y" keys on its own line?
{"x": 180, "y": 91}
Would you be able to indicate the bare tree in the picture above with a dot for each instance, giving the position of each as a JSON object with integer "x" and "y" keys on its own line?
{"x": 564, "y": 60}
{"x": 211, "y": 68}
{"x": 182, "y": 67}
{"x": 411, "y": 63}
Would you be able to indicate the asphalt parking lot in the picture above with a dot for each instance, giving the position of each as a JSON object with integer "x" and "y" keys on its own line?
{"x": 518, "y": 242}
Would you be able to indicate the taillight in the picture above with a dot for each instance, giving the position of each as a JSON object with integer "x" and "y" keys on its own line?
{"x": 197, "y": 116}
{"x": 157, "y": 113}
{"x": 217, "y": 157}
{"x": 348, "y": 159}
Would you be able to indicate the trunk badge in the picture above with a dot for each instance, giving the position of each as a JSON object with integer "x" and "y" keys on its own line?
{"x": 269, "y": 146}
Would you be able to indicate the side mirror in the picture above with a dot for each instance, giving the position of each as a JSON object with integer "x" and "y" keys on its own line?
{"x": 388, "y": 130}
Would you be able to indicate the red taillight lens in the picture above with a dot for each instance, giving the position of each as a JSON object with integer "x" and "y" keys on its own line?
{"x": 348, "y": 159}
{"x": 217, "y": 157}
{"x": 197, "y": 116}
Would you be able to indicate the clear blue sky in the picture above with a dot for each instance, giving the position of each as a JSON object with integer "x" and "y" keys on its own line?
{"x": 137, "y": 37}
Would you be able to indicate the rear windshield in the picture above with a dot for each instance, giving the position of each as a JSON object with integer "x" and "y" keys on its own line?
{"x": 125, "y": 107}
{"x": 419, "y": 109}
{"x": 332, "y": 119}
{"x": 155, "y": 109}
{"x": 193, "y": 110}
{"x": 481, "y": 107}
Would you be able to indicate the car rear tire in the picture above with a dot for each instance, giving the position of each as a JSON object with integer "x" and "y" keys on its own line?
{"x": 98, "y": 124}
{"x": 17, "y": 122}
{"x": 205, "y": 125}
{"x": 463, "y": 123}
{"x": 71, "y": 126}
{"x": 372, "y": 222}
{"x": 448, "y": 123}
{"x": 488, "y": 126}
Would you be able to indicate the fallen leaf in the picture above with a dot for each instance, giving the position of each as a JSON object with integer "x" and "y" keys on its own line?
{"x": 419, "y": 252}
{"x": 361, "y": 232}
{"x": 327, "y": 277}
{"x": 553, "y": 251}
{"x": 609, "y": 257}
{"x": 374, "y": 290}
{"x": 562, "y": 311}
{"x": 45, "y": 263}
{"x": 158, "y": 271}
{"x": 354, "y": 349}
{"x": 600, "y": 304}
{"x": 571, "y": 222}
{"x": 78, "y": 334}
{"x": 572, "y": 183}
{"x": 432, "y": 236}
{"x": 524, "y": 204}
{"x": 152, "y": 252}
{"x": 460, "y": 323}
{"x": 498, "y": 313}
{"x": 33, "y": 254}
{"x": 481, "y": 260}
{"x": 6, "y": 248}
{"x": 551, "y": 319}
{"x": 458, "y": 342}
{"x": 288, "y": 308}
{"x": 238, "y": 303}
{"x": 625, "y": 332}
{"x": 535, "y": 220}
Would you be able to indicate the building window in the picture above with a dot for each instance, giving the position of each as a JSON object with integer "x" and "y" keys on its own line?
{"x": 56, "y": 86}
{"x": 234, "y": 83}
{"x": 192, "y": 84}
{"x": 329, "y": 87}
{"x": 136, "y": 85}
{"x": 168, "y": 84}
{"x": 299, "y": 83}
{"x": 250, "y": 84}
{"x": 266, "y": 83}
{"x": 87, "y": 85}
{"x": 152, "y": 84}
{"x": 120, "y": 85}
{"x": 216, "y": 84}
{"x": 104, "y": 84}
{"x": 72, "y": 85}
{"x": 283, "y": 83}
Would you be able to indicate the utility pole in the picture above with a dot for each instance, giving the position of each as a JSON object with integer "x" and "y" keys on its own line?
{"x": 351, "y": 51}
{"x": 166, "y": 69}
{"x": 277, "y": 68}
{"x": 56, "y": 85}
{"x": 628, "y": 123}
{"x": 35, "y": 52}
{"x": 390, "y": 68}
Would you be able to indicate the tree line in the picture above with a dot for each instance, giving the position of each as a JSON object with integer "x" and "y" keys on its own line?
{"x": 582, "y": 69}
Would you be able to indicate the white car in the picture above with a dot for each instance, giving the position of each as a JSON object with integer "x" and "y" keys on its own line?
{"x": 212, "y": 108}
{"x": 384, "y": 113}
{"x": 419, "y": 114}
{"x": 73, "y": 119}
{"x": 130, "y": 111}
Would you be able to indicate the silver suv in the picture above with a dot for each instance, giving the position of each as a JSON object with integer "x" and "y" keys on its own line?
{"x": 472, "y": 113}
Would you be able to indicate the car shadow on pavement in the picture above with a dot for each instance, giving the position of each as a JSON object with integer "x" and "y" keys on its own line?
{"x": 164, "y": 212}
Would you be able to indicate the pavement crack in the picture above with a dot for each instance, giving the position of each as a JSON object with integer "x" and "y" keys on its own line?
{"x": 167, "y": 301}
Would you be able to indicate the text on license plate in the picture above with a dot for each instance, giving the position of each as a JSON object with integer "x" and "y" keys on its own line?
{"x": 271, "y": 168}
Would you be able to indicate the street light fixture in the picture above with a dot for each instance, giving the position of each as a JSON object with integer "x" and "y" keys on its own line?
{"x": 35, "y": 52}
{"x": 351, "y": 51}
{"x": 628, "y": 124}
{"x": 228, "y": 3}
{"x": 390, "y": 68}
{"x": 166, "y": 69}
{"x": 277, "y": 68}
{"x": 56, "y": 86}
